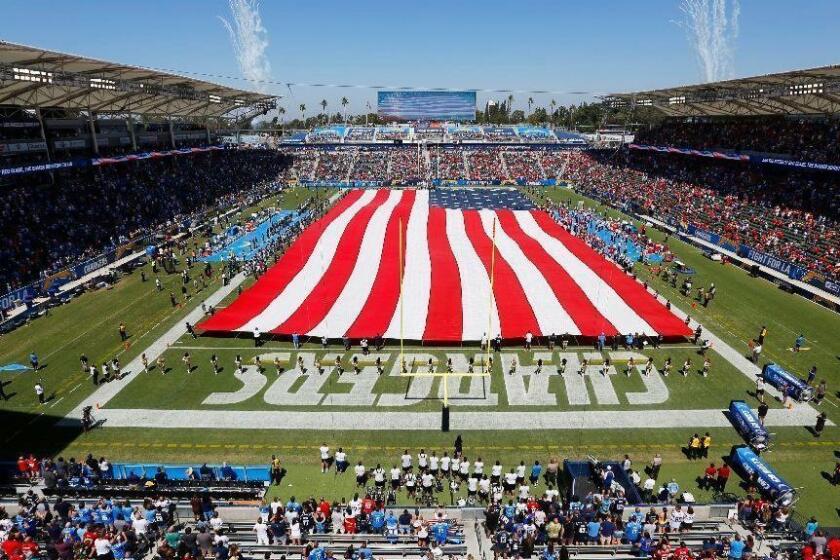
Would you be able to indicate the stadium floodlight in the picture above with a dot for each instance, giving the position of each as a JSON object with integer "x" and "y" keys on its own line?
{"x": 30, "y": 75}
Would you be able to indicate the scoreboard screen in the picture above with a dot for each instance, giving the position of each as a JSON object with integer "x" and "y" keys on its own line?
{"x": 426, "y": 105}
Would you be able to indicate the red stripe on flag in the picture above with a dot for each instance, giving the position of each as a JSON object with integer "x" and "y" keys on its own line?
{"x": 322, "y": 297}
{"x": 444, "y": 321}
{"x": 271, "y": 284}
{"x": 654, "y": 313}
{"x": 515, "y": 314}
{"x": 384, "y": 295}
{"x": 585, "y": 315}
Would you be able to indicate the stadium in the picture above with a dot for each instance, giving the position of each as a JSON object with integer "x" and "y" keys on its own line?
{"x": 433, "y": 330}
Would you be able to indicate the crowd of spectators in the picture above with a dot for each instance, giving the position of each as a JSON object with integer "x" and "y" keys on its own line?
{"x": 554, "y": 163}
{"x": 450, "y": 164}
{"x": 791, "y": 215}
{"x": 523, "y": 165}
{"x": 485, "y": 165}
{"x": 370, "y": 165}
{"x": 81, "y": 212}
{"x": 804, "y": 139}
{"x": 406, "y": 165}
{"x": 334, "y": 165}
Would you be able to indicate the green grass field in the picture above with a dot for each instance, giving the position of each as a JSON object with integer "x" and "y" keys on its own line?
{"x": 89, "y": 324}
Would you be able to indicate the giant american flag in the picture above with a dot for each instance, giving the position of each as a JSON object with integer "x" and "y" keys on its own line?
{"x": 341, "y": 277}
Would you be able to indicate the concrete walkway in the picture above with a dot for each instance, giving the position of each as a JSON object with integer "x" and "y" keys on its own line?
{"x": 388, "y": 421}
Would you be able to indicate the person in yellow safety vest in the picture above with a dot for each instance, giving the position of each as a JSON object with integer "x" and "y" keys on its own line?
{"x": 694, "y": 447}
{"x": 706, "y": 444}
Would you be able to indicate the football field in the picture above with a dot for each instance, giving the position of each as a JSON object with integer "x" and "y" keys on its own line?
{"x": 533, "y": 405}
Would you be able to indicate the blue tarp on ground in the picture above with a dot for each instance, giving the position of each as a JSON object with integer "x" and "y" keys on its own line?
{"x": 14, "y": 368}
{"x": 245, "y": 246}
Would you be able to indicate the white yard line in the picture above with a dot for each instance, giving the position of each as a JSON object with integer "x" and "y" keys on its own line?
{"x": 107, "y": 391}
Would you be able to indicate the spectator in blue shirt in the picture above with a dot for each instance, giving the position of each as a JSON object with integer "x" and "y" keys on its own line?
{"x": 632, "y": 531}
{"x": 811, "y": 527}
{"x": 377, "y": 520}
{"x": 593, "y": 530}
{"x": 536, "y": 471}
{"x": 440, "y": 531}
{"x": 736, "y": 548}
{"x": 365, "y": 553}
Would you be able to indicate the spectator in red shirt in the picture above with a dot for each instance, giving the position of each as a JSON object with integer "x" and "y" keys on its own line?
{"x": 723, "y": 476}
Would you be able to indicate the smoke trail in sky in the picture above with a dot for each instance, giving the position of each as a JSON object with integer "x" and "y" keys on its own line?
{"x": 712, "y": 28}
{"x": 250, "y": 40}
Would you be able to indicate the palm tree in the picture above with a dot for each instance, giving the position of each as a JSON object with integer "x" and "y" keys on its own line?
{"x": 553, "y": 108}
{"x": 324, "y": 109}
{"x": 510, "y": 103}
{"x": 281, "y": 111}
{"x": 303, "y": 112}
{"x": 530, "y": 102}
{"x": 344, "y": 103}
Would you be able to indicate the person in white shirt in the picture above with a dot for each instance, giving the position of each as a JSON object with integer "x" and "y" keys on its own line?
{"x": 261, "y": 529}
{"x": 379, "y": 476}
{"x": 524, "y": 491}
{"x": 464, "y": 469}
{"x": 422, "y": 460}
{"x": 396, "y": 475}
{"x": 427, "y": 480}
{"x": 434, "y": 464}
{"x": 325, "y": 457}
{"x": 478, "y": 466}
{"x": 626, "y": 463}
{"x": 455, "y": 466}
{"x": 102, "y": 546}
{"x": 635, "y": 478}
{"x": 405, "y": 460}
{"x": 472, "y": 486}
{"x": 275, "y": 505}
{"x": 139, "y": 524}
{"x": 676, "y": 518}
{"x": 552, "y": 494}
{"x": 484, "y": 488}
{"x": 411, "y": 484}
{"x": 510, "y": 481}
{"x": 445, "y": 462}
{"x": 341, "y": 461}
{"x": 356, "y": 505}
{"x": 520, "y": 472}
{"x": 361, "y": 474}
{"x": 529, "y": 337}
{"x": 216, "y": 522}
{"x": 496, "y": 472}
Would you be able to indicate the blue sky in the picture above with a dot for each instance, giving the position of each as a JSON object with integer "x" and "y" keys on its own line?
{"x": 590, "y": 46}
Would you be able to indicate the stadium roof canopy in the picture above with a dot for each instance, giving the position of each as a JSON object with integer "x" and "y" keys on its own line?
{"x": 32, "y": 77}
{"x": 815, "y": 91}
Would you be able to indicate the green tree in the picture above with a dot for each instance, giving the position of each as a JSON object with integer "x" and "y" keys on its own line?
{"x": 344, "y": 103}
{"x": 324, "y": 109}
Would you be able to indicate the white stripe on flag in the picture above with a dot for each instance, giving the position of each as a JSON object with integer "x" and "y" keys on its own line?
{"x": 287, "y": 302}
{"x": 476, "y": 294}
{"x": 352, "y": 298}
{"x": 417, "y": 278}
{"x": 551, "y": 316}
{"x": 602, "y": 296}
